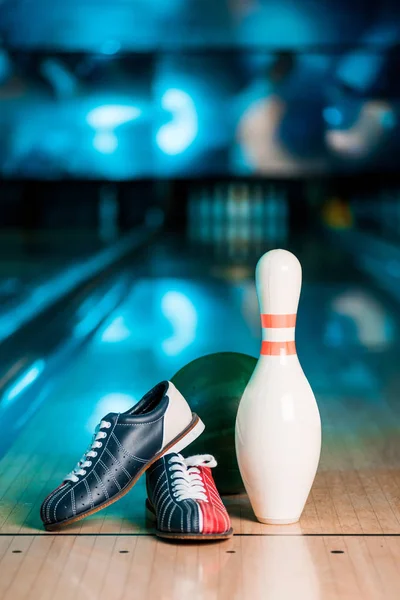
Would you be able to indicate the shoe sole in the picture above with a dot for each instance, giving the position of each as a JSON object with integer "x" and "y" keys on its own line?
{"x": 198, "y": 537}
{"x": 187, "y": 436}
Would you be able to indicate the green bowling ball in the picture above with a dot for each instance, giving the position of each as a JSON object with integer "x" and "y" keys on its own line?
{"x": 213, "y": 385}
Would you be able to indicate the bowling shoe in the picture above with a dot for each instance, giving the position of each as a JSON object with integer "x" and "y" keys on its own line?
{"x": 123, "y": 446}
{"x": 183, "y": 499}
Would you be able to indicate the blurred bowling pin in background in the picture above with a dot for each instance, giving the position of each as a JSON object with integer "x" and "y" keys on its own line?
{"x": 278, "y": 427}
{"x": 205, "y": 215}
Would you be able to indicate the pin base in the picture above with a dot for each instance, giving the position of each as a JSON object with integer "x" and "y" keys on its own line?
{"x": 278, "y": 521}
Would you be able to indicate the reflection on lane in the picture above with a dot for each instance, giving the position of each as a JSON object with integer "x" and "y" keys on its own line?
{"x": 374, "y": 326}
{"x": 25, "y": 380}
{"x": 182, "y": 315}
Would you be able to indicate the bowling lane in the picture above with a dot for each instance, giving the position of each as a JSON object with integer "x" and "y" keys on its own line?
{"x": 28, "y": 259}
{"x": 181, "y": 306}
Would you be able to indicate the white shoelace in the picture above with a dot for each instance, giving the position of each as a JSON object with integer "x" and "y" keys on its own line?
{"x": 187, "y": 482}
{"x": 90, "y": 452}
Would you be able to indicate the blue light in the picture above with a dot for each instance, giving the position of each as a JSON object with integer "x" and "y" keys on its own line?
{"x": 388, "y": 119}
{"x": 281, "y": 24}
{"x": 111, "y": 47}
{"x": 93, "y": 315}
{"x": 182, "y": 315}
{"x": 359, "y": 69}
{"x": 334, "y": 336}
{"x": 24, "y": 382}
{"x": 117, "y": 331}
{"x": 105, "y": 142}
{"x": 177, "y": 135}
{"x": 110, "y": 116}
{"x": 333, "y": 116}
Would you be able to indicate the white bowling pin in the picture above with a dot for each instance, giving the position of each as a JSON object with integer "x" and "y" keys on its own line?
{"x": 257, "y": 214}
{"x": 278, "y": 427}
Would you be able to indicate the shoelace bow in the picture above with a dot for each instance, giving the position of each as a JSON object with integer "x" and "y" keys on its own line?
{"x": 187, "y": 482}
{"x": 90, "y": 452}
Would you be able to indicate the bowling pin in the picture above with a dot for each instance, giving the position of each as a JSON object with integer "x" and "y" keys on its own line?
{"x": 258, "y": 217}
{"x": 278, "y": 427}
{"x": 219, "y": 210}
{"x": 243, "y": 216}
{"x": 205, "y": 215}
{"x": 231, "y": 212}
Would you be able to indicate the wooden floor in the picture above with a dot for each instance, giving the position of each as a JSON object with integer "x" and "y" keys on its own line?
{"x": 135, "y": 567}
{"x": 346, "y": 546}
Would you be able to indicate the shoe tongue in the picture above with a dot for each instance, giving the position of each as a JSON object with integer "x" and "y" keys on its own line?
{"x": 201, "y": 460}
{"x": 110, "y": 417}
{"x": 171, "y": 454}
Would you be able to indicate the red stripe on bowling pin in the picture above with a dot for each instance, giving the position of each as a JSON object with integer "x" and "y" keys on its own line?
{"x": 278, "y": 348}
{"x": 274, "y": 346}
{"x": 278, "y": 320}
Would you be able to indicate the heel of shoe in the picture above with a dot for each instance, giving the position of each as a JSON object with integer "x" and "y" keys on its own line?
{"x": 188, "y": 437}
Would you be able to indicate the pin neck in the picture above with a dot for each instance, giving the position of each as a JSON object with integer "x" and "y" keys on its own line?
{"x": 278, "y": 335}
{"x": 278, "y": 348}
{"x": 278, "y": 321}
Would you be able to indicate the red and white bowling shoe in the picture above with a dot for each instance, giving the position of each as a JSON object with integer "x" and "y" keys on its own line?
{"x": 182, "y": 497}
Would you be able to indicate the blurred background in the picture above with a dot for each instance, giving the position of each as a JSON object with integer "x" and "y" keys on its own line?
{"x": 151, "y": 151}
{"x": 131, "y": 89}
